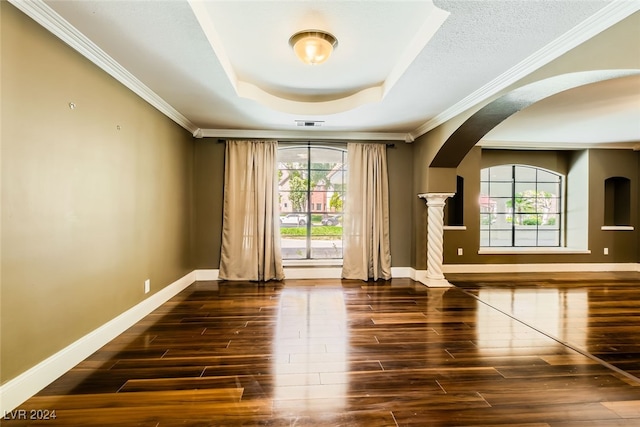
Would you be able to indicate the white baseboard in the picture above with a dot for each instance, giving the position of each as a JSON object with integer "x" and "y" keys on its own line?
{"x": 209, "y": 274}
{"x": 313, "y": 272}
{"x": 18, "y": 390}
{"x": 542, "y": 268}
{"x": 402, "y": 272}
{"x": 308, "y": 273}
{"x": 421, "y": 275}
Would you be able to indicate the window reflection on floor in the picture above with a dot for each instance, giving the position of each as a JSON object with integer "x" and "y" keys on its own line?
{"x": 561, "y": 314}
{"x": 310, "y": 350}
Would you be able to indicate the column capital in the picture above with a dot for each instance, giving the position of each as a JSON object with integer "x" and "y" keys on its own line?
{"x": 436, "y": 199}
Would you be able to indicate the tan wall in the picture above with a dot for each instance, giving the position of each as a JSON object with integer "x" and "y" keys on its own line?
{"x": 208, "y": 192}
{"x": 622, "y": 245}
{"x": 556, "y": 161}
{"x": 89, "y": 211}
{"x": 399, "y": 164}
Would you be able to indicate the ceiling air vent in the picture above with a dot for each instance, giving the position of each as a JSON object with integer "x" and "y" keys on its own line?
{"x": 310, "y": 123}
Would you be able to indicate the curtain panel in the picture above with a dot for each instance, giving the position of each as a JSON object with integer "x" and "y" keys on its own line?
{"x": 251, "y": 228}
{"x": 366, "y": 250}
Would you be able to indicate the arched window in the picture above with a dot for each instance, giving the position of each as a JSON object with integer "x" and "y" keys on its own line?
{"x": 520, "y": 206}
{"x": 312, "y": 182}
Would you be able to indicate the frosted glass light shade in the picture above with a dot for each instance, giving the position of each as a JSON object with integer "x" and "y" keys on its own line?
{"x": 313, "y": 46}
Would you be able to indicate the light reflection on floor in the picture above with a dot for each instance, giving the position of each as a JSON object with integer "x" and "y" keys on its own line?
{"x": 310, "y": 351}
{"x": 561, "y": 314}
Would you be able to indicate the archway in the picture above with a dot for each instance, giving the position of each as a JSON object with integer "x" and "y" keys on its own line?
{"x": 456, "y": 147}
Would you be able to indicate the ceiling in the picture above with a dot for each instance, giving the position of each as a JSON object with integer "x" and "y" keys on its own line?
{"x": 225, "y": 68}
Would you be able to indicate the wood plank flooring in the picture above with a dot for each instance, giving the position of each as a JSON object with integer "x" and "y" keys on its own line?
{"x": 516, "y": 350}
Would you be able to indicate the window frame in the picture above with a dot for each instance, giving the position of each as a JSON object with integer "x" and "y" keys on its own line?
{"x": 310, "y": 204}
{"x": 515, "y": 228}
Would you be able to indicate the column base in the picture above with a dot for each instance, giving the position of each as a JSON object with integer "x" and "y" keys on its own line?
{"x": 437, "y": 283}
{"x": 434, "y": 282}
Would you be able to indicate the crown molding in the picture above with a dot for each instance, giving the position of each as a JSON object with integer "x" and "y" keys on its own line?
{"x": 536, "y": 145}
{"x": 40, "y": 12}
{"x": 609, "y": 15}
{"x": 303, "y": 134}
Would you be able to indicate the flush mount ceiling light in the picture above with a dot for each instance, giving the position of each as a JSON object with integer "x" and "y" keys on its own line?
{"x": 313, "y": 46}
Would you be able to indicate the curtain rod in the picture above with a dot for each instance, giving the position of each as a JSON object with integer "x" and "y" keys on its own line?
{"x": 388, "y": 144}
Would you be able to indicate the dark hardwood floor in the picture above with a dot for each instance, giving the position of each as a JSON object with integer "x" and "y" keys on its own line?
{"x": 560, "y": 350}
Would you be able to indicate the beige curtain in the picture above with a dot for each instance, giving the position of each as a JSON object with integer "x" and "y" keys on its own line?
{"x": 366, "y": 253}
{"x": 251, "y": 227}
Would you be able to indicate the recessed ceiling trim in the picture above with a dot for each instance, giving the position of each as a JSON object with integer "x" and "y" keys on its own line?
{"x": 611, "y": 14}
{"x": 432, "y": 24}
{"x": 58, "y": 26}
{"x": 309, "y": 106}
{"x": 200, "y": 11}
{"x": 303, "y": 134}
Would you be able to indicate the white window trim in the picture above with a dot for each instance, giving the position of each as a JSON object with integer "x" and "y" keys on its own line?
{"x": 455, "y": 227}
{"x": 316, "y": 262}
{"x": 530, "y": 250}
{"x": 617, "y": 228}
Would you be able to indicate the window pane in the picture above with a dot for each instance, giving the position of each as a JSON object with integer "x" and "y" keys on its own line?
{"x": 502, "y": 204}
{"x": 500, "y": 189}
{"x": 525, "y": 188}
{"x": 502, "y": 220}
{"x": 297, "y": 157}
{"x": 551, "y": 221}
{"x": 486, "y": 219}
{"x": 544, "y": 176}
{"x": 336, "y": 180}
{"x": 321, "y": 156}
{"x": 293, "y": 201}
{"x": 525, "y": 237}
{"x": 524, "y": 173}
{"x": 484, "y": 238}
{"x": 547, "y": 187}
{"x": 501, "y": 173}
{"x": 527, "y": 220}
{"x": 548, "y": 237}
{"x": 500, "y": 237}
{"x": 484, "y": 188}
{"x": 326, "y": 241}
{"x": 293, "y": 246}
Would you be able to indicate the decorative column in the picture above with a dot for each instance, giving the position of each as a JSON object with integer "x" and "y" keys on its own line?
{"x": 435, "y": 238}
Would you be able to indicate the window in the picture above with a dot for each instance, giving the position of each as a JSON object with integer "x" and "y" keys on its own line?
{"x": 520, "y": 206}
{"x": 312, "y": 184}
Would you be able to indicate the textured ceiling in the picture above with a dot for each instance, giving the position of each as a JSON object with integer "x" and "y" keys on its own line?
{"x": 191, "y": 57}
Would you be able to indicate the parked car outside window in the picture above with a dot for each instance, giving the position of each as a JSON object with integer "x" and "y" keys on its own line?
{"x": 293, "y": 219}
{"x": 331, "y": 220}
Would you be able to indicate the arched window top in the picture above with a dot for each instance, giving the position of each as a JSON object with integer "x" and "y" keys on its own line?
{"x": 520, "y": 172}
{"x": 520, "y": 206}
